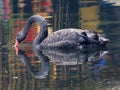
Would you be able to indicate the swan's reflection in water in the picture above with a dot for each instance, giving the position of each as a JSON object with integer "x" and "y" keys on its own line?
{"x": 63, "y": 58}
{"x": 44, "y": 63}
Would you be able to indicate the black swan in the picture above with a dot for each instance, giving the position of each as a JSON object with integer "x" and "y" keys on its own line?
{"x": 64, "y": 38}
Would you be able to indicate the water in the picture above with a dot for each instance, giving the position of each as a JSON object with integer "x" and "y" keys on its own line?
{"x": 60, "y": 69}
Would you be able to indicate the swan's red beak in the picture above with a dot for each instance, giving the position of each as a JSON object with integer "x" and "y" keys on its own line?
{"x": 16, "y": 50}
{"x": 16, "y": 43}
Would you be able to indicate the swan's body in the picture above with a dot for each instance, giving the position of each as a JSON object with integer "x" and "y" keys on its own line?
{"x": 64, "y": 38}
{"x": 67, "y": 38}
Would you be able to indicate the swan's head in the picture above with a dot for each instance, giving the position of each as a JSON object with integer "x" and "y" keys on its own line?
{"x": 103, "y": 39}
{"x": 20, "y": 36}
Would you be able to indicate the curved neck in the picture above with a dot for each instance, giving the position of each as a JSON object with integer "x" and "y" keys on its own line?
{"x": 43, "y": 28}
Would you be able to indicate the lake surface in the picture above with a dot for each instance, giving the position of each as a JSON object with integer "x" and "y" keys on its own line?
{"x": 33, "y": 69}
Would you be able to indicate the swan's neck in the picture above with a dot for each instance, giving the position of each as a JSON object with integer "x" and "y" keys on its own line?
{"x": 43, "y": 28}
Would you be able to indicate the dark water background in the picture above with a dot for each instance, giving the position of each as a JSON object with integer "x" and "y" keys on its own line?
{"x": 58, "y": 69}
